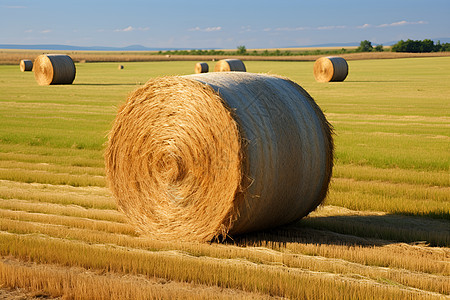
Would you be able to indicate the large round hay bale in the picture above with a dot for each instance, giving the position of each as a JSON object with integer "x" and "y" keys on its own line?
{"x": 203, "y": 156}
{"x": 201, "y": 67}
{"x": 227, "y": 65}
{"x": 26, "y": 65}
{"x": 54, "y": 69}
{"x": 331, "y": 68}
{"x": 120, "y": 67}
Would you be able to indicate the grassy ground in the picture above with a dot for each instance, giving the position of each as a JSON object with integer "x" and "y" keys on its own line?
{"x": 383, "y": 231}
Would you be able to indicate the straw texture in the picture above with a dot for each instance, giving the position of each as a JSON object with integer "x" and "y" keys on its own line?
{"x": 331, "y": 68}
{"x": 202, "y": 156}
{"x": 54, "y": 69}
{"x": 26, "y": 65}
{"x": 227, "y": 65}
{"x": 201, "y": 67}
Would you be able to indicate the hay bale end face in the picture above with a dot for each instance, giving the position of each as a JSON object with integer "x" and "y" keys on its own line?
{"x": 203, "y": 156}
{"x": 201, "y": 67}
{"x": 330, "y": 68}
{"x": 54, "y": 69}
{"x": 26, "y": 65}
{"x": 230, "y": 65}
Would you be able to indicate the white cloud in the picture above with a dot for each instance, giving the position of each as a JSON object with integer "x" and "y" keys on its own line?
{"x": 402, "y": 23}
{"x": 131, "y": 28}
{"x": 332, "y": 27}
{"x": 364, "y": 26}
{"x": 291, "y": 28}
{"x": 28, "y": 31}
{"x": 45, "y": 31}
{"x": 207, "y": 29}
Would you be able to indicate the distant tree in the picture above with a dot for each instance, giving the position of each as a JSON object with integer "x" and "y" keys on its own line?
{"x": 379, "y": 48}
{"x": 241, "y": 50}
{"x": 365, "y": 46}
{"x": 426, "y": 45}
{"x": 445, "y": 47}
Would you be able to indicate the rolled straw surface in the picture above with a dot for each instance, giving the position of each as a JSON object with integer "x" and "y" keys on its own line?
{"x": 330, "y": 68}
{"x": 26, "y": 65}
{"x": 54, "y": 69}
{"x": 201, "y": 67}
{"x": 227, "y": 65}
{"x": 203, "y": 156}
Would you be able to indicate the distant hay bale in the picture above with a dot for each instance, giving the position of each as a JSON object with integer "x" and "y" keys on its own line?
{"x": 26, "y": 65}
{"x": 120, "y": 67}
{"x": 54, "y": 69}
{"x": 331, "y": 68}
{"x": 201, "y": 67}
{"x": 227, "y": 65}
{"x": 204, "y": 156}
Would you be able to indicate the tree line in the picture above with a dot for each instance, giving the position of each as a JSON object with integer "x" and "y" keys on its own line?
{"x": 413, "y": 46}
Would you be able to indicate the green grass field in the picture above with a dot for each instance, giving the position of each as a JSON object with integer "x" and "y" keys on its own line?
{"x": 383, "y": 231}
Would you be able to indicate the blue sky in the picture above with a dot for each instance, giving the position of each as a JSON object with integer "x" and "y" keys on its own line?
{"x": 220, "y": 24}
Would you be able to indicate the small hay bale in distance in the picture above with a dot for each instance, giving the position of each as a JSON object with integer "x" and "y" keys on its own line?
{"x": 201, "y": 67}
{"x": 331, "y": 68}
{"x": 120, "y": 67}
{"x": 26, "y": 65}
{"x": 54, "y": 69}
{"x": 203, "y": 156}
{"x": 230, "y": 65}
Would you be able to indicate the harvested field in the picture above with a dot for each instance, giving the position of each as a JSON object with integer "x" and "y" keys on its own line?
{"x": 14, "y": 56}
{"x": 382, "y": 232}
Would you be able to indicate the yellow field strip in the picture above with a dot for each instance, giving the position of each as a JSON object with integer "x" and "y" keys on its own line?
{"x": 63, "y": 160}
{"x": 398, "y": 120}
{"x": 179, "y": 266}
{"x": 388, "y": 189}
{"x": 409, "y": 176}
{"x": 69, "y": 221}
{"x": 21, "y": 175}
{"x": 260, "y": 256}
{"x": 52, "y": 168}
{"x": 87, "y": 197}
{"x": 63, "y": 210}
{"x": 78, "y": 283}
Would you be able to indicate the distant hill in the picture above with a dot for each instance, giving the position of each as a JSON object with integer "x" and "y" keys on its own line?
{"x": 82, "y": 48}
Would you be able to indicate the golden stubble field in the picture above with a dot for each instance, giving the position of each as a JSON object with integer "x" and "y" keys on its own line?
{"x": 382, "y": 233}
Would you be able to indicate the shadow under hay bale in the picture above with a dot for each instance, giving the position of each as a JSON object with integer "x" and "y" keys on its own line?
{"x": 26, "y": 65}
{"x": 331, "y": 68}
{"x": 54, "y": 69}
{"x": 201, "y": 156}
{"x": 201, "y": 67}
{"x": 227, "y": 65}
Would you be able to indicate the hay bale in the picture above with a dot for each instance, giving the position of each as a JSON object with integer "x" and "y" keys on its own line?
{"x": 201, "y": 67}
{"x": 331, "y": 68}
{"x": 54, "y": 69}
{"x": 120, "y": 67}
{"x": 26, "y": 65}
{"x": 227, "y": 65}
{"x": 203, "y": 156}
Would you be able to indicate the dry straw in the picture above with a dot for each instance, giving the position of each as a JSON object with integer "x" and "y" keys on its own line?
{"x": 26, "y": 65}
{"x": 203, "y": 156}
{"x": 227, "y": 65}
{"x": 54, "y": 69}
{"x": 201, "y": 67}
{"x": 330, "y": 68}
